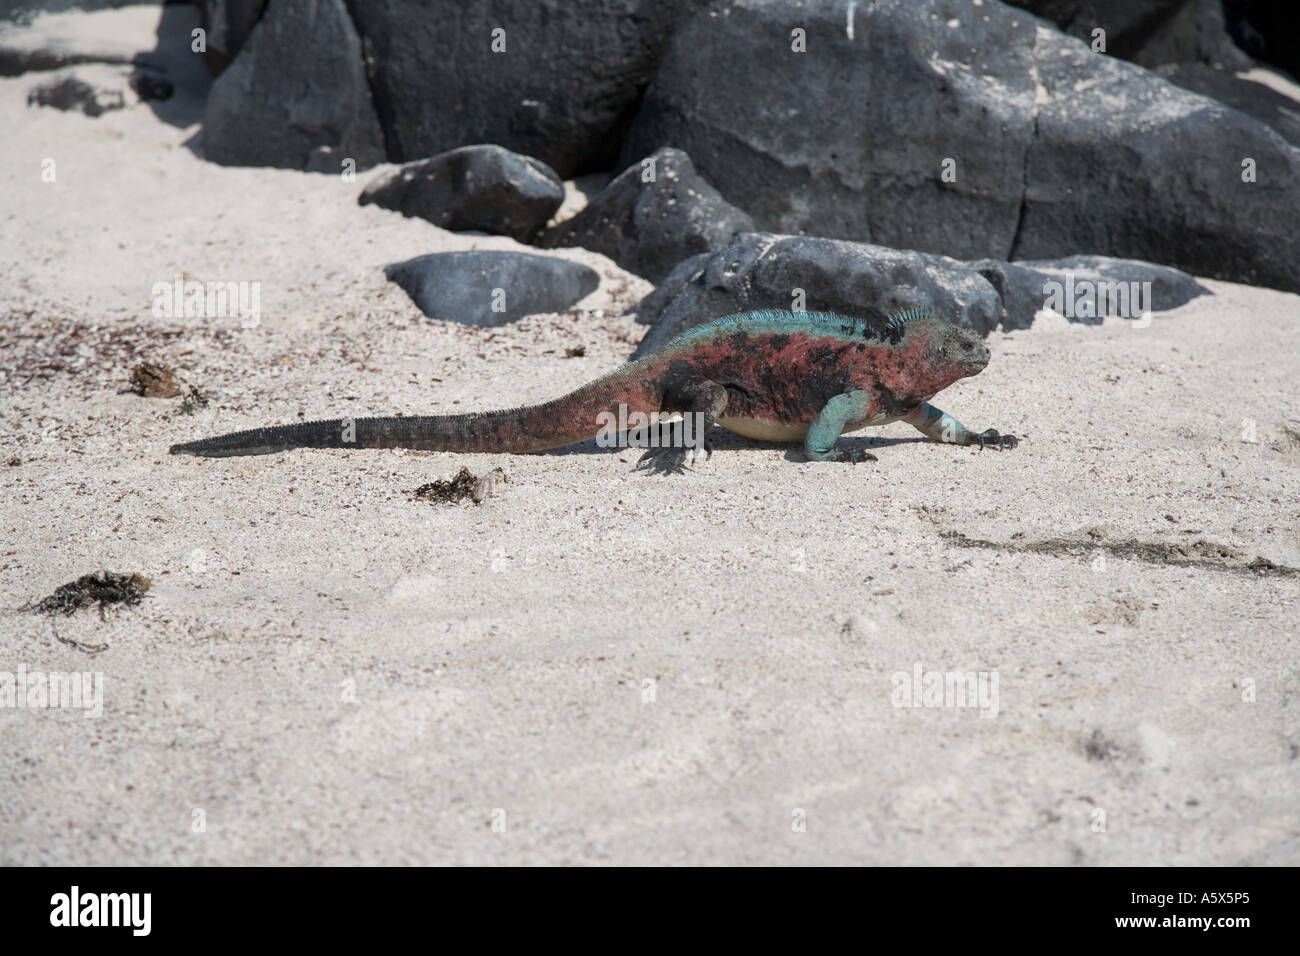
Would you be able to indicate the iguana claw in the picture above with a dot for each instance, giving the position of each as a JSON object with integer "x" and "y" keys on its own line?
{"x": 672, "y": 459}
{"x": 853, "y": 456}
{"x": 996, "y": 439}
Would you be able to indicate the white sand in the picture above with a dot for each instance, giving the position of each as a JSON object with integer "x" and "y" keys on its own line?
{"x": 500, "y": 654}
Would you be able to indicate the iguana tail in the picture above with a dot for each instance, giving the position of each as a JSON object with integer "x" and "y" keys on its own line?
{"x": 563, "y": 421}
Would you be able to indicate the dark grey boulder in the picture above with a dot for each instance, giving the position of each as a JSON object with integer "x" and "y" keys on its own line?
{"x": 151, "y": 84}
{"x": 1265, "y": 30}
{"x": 562, "y": 90}
{"x": 488, "y": 288}
{"x": 486, "y": 188}
{"x": 1281, "y": 113}
{"x": 848, "y": 139}
{"x": 1023, "y": 287}
{"x": 1149, "y": 32}
{"x": 766, "y": 271}
{"x": 650, "y": 308}
{"x": 325, "y": 159}
{"x": 1128, "y": 23}
{"x": 1196, "y": 33}
{"x": 1133, "y": 167}
{"x": 228, "y": 24}
{"x": 1057, "y": 150}
{"x": 647, "y": 227}
{"x": 1019, "y": 287}
{"x": 296, "y": 85}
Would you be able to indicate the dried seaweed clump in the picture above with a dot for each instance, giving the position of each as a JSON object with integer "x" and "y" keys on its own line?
{"x": 464, "y": 485}
{"x": 102, "y": 587}
{"x": 154, "y": 381}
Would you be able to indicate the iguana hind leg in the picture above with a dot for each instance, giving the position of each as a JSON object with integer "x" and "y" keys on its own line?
{"x": 701, "y": 402}
{"x": 941, "y": 426}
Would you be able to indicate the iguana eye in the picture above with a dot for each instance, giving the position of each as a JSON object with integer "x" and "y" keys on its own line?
{"x": 967, "y": 346}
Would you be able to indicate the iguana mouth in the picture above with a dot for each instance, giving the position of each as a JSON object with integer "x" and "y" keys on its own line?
{"x": 977, "y": 360}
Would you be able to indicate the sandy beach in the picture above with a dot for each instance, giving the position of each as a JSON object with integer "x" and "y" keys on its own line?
{"x": 596, "y": 665}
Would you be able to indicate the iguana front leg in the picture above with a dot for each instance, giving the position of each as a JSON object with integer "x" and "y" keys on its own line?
{"x": 941, "y": 426}
{"x": 819, "y": 443}
{"x": 700, "y": 400}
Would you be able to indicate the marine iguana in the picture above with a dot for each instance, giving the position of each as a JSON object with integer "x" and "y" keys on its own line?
{"x": 770, "y": 375}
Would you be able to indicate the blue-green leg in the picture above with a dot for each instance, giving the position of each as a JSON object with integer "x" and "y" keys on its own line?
{"x": 824, "y": 432}
{"x": 941, "y": 426}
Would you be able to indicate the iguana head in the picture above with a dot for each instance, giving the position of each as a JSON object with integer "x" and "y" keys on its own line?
{"x": 960, "y": 348}
{"x": 942, "y": 353}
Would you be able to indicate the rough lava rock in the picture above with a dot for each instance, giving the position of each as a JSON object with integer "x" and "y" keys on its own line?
{"x": 466, "y": 286}
{"x": 1266, "y": 31}
{"x": 486, "y": 188}
{"x": 651, "y": 308}
{"x": 1264, "y": 103}
{"x": 765, "y": 271}
{"x": 228, "y": 23}
{"x": 848, "y": 140}
{"x": 1022, "y": 286}
{"x": 1149, "y": 33}
{"x": 1128, "y": 165}
{"x": 1056, "y": 150}
{"x": 297, "y": 85}
{"x": 152, "y": 85}
{"x": 647, "y": 227}
{"x": 558, "y": 81}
